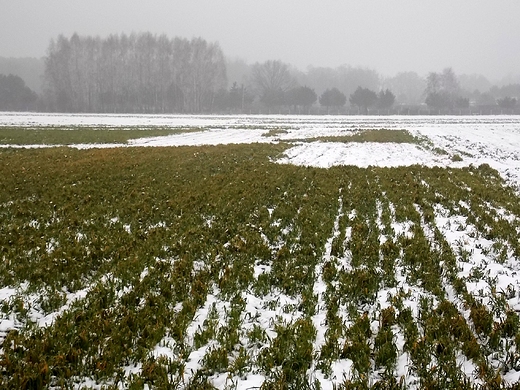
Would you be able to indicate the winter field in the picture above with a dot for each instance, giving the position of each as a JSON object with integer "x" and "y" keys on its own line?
{"x": 246, "y": 252}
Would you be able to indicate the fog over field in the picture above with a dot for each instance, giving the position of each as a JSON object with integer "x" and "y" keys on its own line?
{"x": 319, "y": 195}
{"x": 402, "y": 35}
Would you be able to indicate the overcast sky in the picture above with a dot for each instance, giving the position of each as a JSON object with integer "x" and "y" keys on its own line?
{"x": 471, "y": 36}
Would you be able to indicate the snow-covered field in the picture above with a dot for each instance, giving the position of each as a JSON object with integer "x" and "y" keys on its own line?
{"x": 476, "y": 140}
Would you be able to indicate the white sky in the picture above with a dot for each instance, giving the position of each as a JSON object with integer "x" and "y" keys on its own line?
{"x": 472, "y": 36}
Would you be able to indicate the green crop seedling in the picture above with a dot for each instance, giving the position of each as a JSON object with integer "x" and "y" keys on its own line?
{"x": 202, "y": 266}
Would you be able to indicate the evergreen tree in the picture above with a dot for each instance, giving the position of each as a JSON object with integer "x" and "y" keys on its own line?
{"x": 15, "y": 95}
{"x": 363, "y": 98}
{"x": 333, "y": 98}
{"x": 507, "y": 102}
{"x": 385, "y": 99}
{"x": 302, "y": 97}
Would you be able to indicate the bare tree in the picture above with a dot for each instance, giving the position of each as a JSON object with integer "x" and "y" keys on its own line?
{"x": 272, "y": 77}
{"x": 408, "y": 87}
{"x": 442, "y": 89}
{"x": 207, "y": 75}
{"x": 433, "y": 83}
{"x": 135, "y": 73}
{"x": 57, "y": 82}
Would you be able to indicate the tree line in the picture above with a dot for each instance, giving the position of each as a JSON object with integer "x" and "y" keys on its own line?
{"x": 443, "y": 91}
{"x": 276, "y": 85}
{"x": 147, "y": 73}
{"x": 133, "y": 73}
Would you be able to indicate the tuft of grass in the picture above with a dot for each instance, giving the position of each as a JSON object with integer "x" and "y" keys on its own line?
{"x": 440, "y": 151}
{"x": 275, "y": 132}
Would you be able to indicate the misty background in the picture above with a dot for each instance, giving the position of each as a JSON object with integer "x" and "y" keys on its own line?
{"x": 373, "y": 44}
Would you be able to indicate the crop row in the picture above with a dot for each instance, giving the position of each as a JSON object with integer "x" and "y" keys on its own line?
{"x": 203, "y": 267}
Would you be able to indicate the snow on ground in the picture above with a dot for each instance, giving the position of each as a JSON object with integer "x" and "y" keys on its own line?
{"x": 107, "y": 120}
{"x": 477, "y": 139}
{"x": 328, "y": 154}
{"x": 209, "y": 137}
